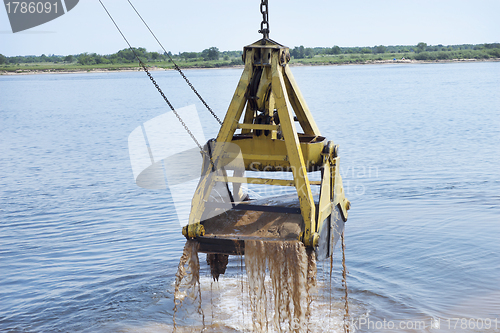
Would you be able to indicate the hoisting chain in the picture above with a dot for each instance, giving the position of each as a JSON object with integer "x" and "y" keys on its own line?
{"x": 169, "y": 104}
{"x": 264, "y": 25}
{"x": 154, "y": 82}
{"x": 202, "y": 151}
{"x": 177, "y": 68}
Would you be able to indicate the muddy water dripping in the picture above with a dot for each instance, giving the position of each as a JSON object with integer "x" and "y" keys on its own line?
{"x": 187, "y": 279}
{"x": 292, "y": 271}
{"x": 311, "y": 281}
{"x": 279, "y": 286}
{"x": 255, "y": 264}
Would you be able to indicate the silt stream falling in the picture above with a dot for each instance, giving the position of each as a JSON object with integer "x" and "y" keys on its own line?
{"x": 279, "y": 289}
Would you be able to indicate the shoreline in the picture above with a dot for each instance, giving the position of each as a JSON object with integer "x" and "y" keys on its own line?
{"x": 137, "y": 69}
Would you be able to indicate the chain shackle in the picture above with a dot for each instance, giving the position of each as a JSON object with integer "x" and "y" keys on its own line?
{"x": 264, "y": 25}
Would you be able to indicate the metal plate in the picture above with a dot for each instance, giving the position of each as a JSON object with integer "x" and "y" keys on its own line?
{"x": 329, "y": 235}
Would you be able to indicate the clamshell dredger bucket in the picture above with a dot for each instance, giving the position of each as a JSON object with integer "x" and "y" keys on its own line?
{"x": 259, "y": 135}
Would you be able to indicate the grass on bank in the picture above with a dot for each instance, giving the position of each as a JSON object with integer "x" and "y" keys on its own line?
{"x": 361, "y": 58}
{"x": 75, "y": 67}
{"x": 319, "y": 59}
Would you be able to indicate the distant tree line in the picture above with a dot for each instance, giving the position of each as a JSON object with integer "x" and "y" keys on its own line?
{"x": 212, "y": 53}
{"x": 122, "y": 57}
{"x": 421, "y": 51}
{"x": 301, "y": 52}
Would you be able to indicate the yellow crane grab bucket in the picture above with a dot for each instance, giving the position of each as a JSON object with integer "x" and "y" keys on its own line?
{"x": 264, "y": 138}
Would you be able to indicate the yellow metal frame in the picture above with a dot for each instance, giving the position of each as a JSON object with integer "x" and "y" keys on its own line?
{"x": 275, "y": 145}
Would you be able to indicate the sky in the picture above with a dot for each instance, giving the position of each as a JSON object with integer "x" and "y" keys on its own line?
{"x": 194, "y": 25}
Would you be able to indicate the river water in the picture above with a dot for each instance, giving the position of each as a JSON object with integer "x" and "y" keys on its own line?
{"x": 82, "y": 248}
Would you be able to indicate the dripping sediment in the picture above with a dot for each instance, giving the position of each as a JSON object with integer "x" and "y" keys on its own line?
{"x": 187, "y": 279}
{"x": 311, "y": 281}
{"x": 347, "y": 328}
{"x": 292, "y": 271}
{"x": 278, "y": 294}
{"x": 218, "y": 264}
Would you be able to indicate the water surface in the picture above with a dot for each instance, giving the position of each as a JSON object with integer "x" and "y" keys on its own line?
{"x": 82, "y": 248}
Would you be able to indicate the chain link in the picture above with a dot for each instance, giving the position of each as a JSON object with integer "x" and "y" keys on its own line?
{"x": 159, "y": 89}
{"x": 177, "y": 68}
{"x": 169, "y": 104}
{"x": 264, "y": 25}
{"x": 203, "y": 152}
